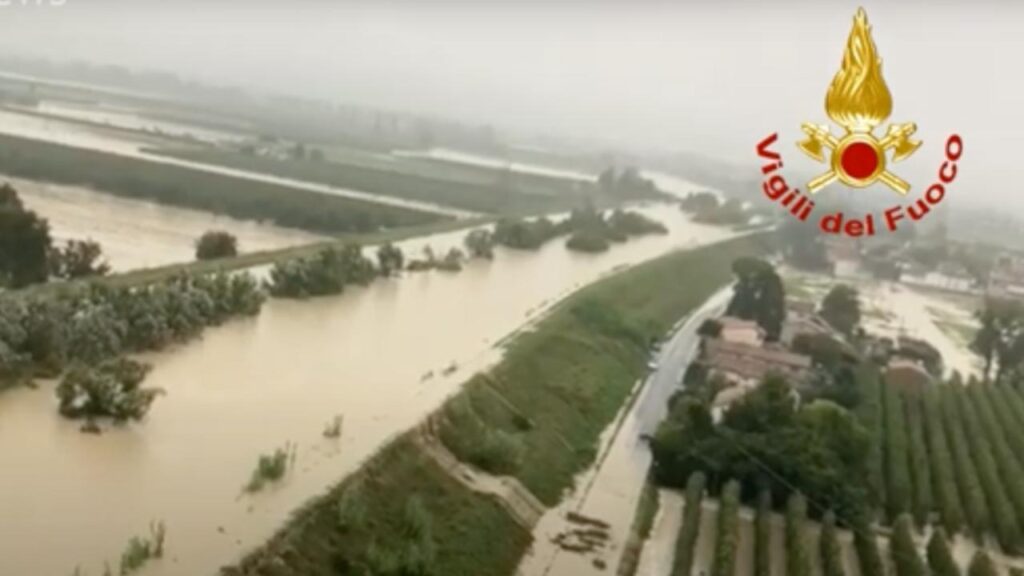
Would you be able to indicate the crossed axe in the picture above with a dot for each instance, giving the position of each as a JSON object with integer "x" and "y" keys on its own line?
{"x": 897, "y": 138}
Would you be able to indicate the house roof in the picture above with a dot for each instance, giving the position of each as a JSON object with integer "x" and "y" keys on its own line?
{"x": 753, "y": 362}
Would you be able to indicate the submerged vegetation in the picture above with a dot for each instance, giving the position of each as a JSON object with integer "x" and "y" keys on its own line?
{"x": 111, "y": 390}
{"x": 271, "y": 468}
{"x": 83, "y": 327}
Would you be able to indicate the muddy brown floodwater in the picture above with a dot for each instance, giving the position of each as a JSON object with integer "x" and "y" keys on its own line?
{"x": 249, "y": 386}
{"x": 138, "y": 234}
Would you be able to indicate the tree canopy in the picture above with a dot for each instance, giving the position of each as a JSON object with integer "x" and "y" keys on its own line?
{"x": 758, "y": 295}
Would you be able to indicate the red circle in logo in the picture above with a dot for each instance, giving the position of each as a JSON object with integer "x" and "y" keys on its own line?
{"x": 859, "y": 160}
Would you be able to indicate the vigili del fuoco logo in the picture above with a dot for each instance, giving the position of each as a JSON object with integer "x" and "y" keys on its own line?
{"x": 858, "y": 100}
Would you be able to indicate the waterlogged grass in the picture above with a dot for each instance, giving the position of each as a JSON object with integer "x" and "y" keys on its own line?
{"x": 400, "y": 510}
{"x": 562, "y": 383}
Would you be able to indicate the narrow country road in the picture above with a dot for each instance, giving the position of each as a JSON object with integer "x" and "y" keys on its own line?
{"x": 609, "y": 492}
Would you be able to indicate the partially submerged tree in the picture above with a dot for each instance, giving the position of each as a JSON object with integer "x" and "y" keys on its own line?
{"x": 841, "y": 309}
{"x": 78, "y": 259}
{"x": 111, "y": 390}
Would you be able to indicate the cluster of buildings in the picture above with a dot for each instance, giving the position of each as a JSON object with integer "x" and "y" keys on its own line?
{"x": 740, "y": 357}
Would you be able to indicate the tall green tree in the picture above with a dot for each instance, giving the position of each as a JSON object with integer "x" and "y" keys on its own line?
{"x": 941, "y": 460}
{"x": 898, "y": 487}
{"x": 831, "y": 554}
{"x": 920, "y": 473}
{"x": 758, "y": 295}
{"x": 841, "y": 308}
{"x": 797, "y": 558}
{"x": 763, "y": 534}
{"x": 724, "y": 563}
{"x": 25, "y": 243}
{"x": 940, "y": 557}
{"x": 902, "y": 549}
{"x": 682, "y": 564}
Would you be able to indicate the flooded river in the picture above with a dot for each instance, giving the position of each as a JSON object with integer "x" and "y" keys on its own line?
{"x": 250, "y": 386}
{"x": 139, "y": 234}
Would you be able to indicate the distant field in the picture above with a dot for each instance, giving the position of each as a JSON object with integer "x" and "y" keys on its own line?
{"x": 217, "y": 193}
{"x": 475, "y": 188}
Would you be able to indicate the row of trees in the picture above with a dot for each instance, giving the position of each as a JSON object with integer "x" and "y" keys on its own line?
{"x": 686, "y": 540}
{"x": 956, "y": 450}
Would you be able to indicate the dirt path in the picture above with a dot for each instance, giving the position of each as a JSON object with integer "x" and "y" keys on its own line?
{"x": 510, "y": 493}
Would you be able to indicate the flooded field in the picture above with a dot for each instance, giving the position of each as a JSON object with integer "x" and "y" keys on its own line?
{"x": 377, "y": 356}
{"x": 139, "y": 234}
{"x": 891, "y": 309}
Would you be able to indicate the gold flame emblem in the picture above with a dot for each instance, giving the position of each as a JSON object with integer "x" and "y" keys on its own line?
{"x": 858, "y": 100}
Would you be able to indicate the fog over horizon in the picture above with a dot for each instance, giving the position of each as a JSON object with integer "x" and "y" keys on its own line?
{"x": 708, "y": 78}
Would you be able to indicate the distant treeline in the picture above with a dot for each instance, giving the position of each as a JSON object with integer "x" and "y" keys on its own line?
{"x": 184, "y": 187}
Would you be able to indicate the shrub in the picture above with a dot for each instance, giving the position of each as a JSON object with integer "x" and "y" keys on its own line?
{"x": 111, "y": 390}
{"x": 216, "y": 244}
{"x": 271, "y": 467}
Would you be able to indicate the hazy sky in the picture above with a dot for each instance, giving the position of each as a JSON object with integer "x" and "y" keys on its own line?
{"x": 709, "y": 77}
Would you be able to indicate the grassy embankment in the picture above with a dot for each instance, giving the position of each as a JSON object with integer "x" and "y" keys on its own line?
{"x": 187, "y": 188}
{"x": 558, "y": 386}
{"x": 474, "y": 188}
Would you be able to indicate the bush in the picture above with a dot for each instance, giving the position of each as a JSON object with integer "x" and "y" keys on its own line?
{"x": 271, "y": 468}
{"x": 682, "y": 564}
{"x": 866, "y": 546}
{"x": 728, "y": 523}
{"x": 902, "y": 549}
{"x": 111, "y": 390}
{"x": 325, "y": 273}
{"x": 216, "y": 244}
{"x": 78, "y": 259}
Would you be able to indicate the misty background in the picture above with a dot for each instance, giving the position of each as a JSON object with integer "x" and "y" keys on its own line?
{"x": 710, "y": 78}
